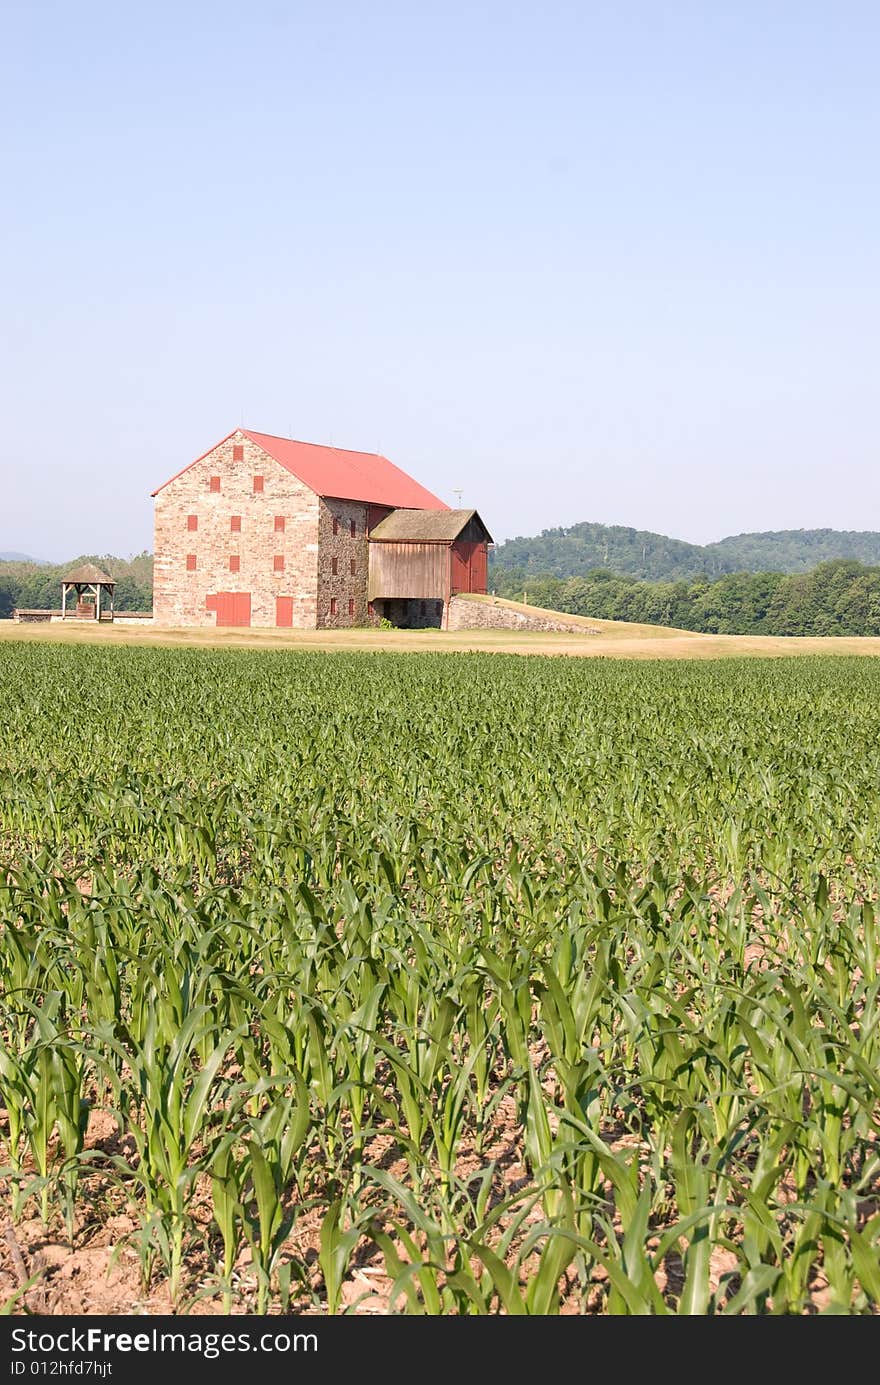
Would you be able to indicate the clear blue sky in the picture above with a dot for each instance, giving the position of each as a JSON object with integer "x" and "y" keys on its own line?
{"x": 608, "y": 261}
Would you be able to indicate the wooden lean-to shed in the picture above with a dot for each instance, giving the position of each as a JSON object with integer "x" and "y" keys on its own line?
{"x": 419, "y": 559}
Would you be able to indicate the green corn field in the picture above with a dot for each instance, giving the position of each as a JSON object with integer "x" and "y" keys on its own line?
{"x": 443, "y": 984}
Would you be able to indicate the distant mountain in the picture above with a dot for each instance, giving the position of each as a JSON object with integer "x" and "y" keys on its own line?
{"x": 582, "y": 548}
{"x": 796, "y": 550}
{"x": 22, "y": 558}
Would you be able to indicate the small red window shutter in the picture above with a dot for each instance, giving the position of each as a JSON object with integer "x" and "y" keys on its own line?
{"x": 334, "y": 566}
{"x": 353, "y": 527}
{"x": 279, "y": 562}
{"x": 234, "y": 563}
{"x": 335, "y": 525}
{"x": 190, "y": 562}
{"x": 235, "y": 524}
{"x": 353, "y": 566}
{"x": 192, "y": 522}
{"x": 237, "y": 452}
{"x": 333, "y": 605}
{"x": 279, "y": 524}
{"x": 215, "y": 483}
{"x": 258, "y": 484}
{"x": 351, "y": 606}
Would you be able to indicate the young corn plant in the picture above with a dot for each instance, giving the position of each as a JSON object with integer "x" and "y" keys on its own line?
{"x": 274, "y": 1146}
{"x": 173, "y": 1112}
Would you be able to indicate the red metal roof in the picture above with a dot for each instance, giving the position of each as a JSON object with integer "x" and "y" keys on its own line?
{"x": 347, "y": 475}
{"x": 334, "y": 471}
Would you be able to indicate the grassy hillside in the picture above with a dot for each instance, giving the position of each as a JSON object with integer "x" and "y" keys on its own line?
{"x": 575, "y": 551}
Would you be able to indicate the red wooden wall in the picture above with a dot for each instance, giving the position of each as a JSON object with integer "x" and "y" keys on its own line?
{"x": 468, "y": 567}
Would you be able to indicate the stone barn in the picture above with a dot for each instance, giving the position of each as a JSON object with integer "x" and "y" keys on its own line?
{"x": 270, "y": 532}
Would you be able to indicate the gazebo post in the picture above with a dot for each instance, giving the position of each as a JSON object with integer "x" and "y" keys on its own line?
{"x": 64, "y": 601}
{"x": 97, "y": 601}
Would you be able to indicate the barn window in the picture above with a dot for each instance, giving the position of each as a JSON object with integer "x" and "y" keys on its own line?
{"x": 278, "y": 562}
{"x": 353, "y": 566}
{"x": 190, "y": 562}
{"x": 215, "y": 484}
{"x": 279, "y": 524}
{"x": 235, "y": 524}
{"x": 234, "y": 563}
{"x": 333, "y": 605}
{"x": 334, "y": 566}
{"x": 351, "y": 606}
{"x": 258, "y": 485}
{"x": 192, "y": 523}
{"x": 353, "y": 527}
{"x": 237, "y": 452}
{"x": 335, "y": 525}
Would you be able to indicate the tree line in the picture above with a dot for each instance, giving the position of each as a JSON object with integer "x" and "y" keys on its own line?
{"x": 836, "y": 598}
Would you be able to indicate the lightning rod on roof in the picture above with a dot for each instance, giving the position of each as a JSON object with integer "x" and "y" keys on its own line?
{"x": 458, "y": 494}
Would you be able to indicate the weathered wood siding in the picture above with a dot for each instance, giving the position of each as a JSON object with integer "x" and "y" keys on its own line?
{"x": 409, "y": 570}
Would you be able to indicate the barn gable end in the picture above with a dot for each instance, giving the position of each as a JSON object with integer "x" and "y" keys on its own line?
{"x": 235, "y": 520}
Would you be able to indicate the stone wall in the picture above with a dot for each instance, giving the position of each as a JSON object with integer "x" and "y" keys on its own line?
{"x": 348, "y": 589}
{"x": 492, "y": 614}
{"x": 56, "y": 618}
{"x": 179, "y": 595}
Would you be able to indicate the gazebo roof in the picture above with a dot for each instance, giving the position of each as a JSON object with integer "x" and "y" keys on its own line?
{"x": 89, "y": 575}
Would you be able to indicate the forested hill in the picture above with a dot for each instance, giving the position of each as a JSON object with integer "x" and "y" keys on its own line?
{"x": 575, "y": 551}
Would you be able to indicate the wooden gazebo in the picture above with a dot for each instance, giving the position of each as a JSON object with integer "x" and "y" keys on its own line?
{"x": 93, "y": 590}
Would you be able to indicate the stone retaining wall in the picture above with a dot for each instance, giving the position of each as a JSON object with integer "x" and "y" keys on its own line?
{"x": 492, "y": 614}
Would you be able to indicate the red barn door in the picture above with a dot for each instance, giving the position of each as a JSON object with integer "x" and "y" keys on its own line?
{"x": 480, "y": 568}
{"x": 284, "y": 611}
{"x": 468, "y": 566}
{"x": 233, "y": 608}
{"x": 458, "y": 570}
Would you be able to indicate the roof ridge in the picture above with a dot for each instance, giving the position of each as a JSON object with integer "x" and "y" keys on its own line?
{"x": 324, "y": 446}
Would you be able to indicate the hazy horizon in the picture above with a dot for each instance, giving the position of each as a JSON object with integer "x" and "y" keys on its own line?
{"x": 128, "y": 556}
{"x": 579, "y": 263}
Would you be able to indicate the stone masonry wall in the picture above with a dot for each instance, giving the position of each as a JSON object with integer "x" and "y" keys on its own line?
{"x": 467, "y": 614}
{"x": 347, "y": 588}
{"x": 179, "y": 595}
